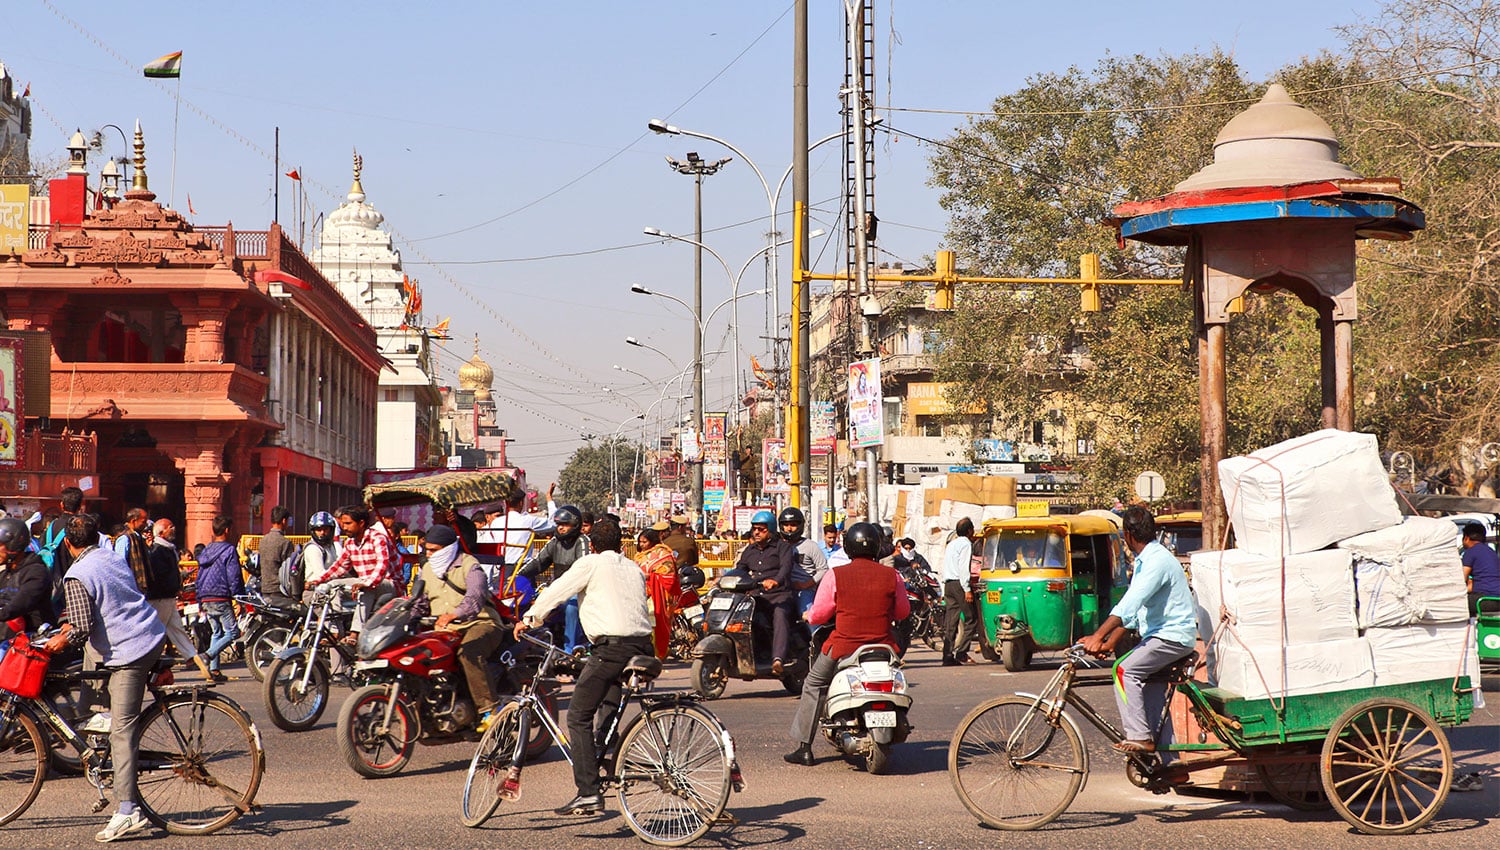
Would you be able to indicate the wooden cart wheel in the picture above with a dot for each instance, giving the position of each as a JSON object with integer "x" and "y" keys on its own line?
{"x": 1297, "y": 784}
{"x": 1386, "y": 766}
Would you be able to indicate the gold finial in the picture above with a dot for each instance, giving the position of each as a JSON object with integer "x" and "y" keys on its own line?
{"x": 139, "y": 188}
{"x": 359, "y": 165}
{"x": 476, "y": 345}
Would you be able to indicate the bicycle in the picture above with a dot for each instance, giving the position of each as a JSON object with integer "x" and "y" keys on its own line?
{"x": 199, "y": 762}
{"x": 672, "y": 766}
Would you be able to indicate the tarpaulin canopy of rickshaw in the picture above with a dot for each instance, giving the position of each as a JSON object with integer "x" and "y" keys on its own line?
{"x": 443, "y": 489}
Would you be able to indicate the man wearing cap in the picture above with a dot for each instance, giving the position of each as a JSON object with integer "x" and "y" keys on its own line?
{"x": 457, "y": 593}
{"x": 681, "y": 542}
{"x": 769, "y": 560}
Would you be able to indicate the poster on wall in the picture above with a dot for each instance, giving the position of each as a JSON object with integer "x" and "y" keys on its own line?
{"x": 15, "y": 218}
{"x": 866, "y": 416}
{"x": 715, "y": 460}
{"x": 774, "y": 470}
{"x": 10, "y": 402}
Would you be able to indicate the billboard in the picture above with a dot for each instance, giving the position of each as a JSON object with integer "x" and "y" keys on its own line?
{"x": 10, "y": 402}
{"x": 774, "y": 470}
{"x": 15, "y": 217}
{"x": 715, "y": 460}
{"x": 866, "y": 412}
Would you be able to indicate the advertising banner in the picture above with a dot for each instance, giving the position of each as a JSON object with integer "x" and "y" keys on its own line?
{"x": 715, "y": 460}
{"x": 692, "y": 447}
{"x": 10, "y": 402}
{"x": 774, "y": 470}
{"x": 15, "y": 217}
{"x": 866, "y": 416}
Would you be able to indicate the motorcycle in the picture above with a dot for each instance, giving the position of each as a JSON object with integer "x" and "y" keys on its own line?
{"x": 410, "y": 688}
{"x": 265, "y": 630}
{"x": 865, "y": 712}
{"x": 296, "y": 681}
{"x": 925, "y": 594}
{"x": 688, "y": 622}
{"x": 737, "y": 641}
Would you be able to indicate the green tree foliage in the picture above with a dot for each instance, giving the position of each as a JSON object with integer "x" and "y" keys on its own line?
{"x": 585, "y": 479}
{"x": 1029, "y": 189}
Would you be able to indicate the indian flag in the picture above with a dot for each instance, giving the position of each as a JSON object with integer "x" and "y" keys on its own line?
{"x": 167, "y": 66}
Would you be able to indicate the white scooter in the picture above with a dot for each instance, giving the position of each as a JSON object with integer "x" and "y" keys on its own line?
{"x": 865, "y": 712}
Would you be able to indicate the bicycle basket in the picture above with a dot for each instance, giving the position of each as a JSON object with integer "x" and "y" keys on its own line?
{"x": 24, "y": 667}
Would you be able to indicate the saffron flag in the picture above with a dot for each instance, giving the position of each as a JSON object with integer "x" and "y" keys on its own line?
{"x": 294, "y": 175}
{"x": 27, "y": 93}
{"x": 169, "y": 66}
{"x": 760, "y": 373}
{"x": 191, "y": 211}
{"x": 441, "y": 331}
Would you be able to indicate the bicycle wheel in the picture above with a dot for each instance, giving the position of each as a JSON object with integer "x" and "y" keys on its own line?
{"x": 673, "y": 770}
{"x": 487, "y": 769}
{"x": 200, "y": 762}
{"x": 292, "y": 707}
{"x": 23, "y": 765}
{"x": 1011, "y": 768}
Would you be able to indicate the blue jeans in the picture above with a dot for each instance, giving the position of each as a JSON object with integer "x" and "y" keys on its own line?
{"x": 225, "y": 629}
{"x": 572, "y": 628}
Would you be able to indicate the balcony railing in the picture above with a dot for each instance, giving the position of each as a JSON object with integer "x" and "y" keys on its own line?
{"x": 250, "y": 244}
{"x": 65, "y": 452}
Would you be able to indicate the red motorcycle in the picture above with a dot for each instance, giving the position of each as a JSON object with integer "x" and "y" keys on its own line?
{"x": 410, "y": 688}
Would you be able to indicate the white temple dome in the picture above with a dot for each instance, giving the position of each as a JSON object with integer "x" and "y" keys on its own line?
{"x": 1275, "y": 142}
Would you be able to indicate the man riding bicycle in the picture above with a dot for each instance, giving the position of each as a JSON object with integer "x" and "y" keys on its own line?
{"x": 612, "y": 607}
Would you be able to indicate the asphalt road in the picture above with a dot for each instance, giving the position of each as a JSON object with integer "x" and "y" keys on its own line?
{"x": 311, "y": 799}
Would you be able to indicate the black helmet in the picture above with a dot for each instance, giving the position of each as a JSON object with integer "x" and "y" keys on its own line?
{"x": 862, "y": 540}
{"x": 14, "y": 536}
{"x": 791, "y": 516}
{"x": 567, "y": 515}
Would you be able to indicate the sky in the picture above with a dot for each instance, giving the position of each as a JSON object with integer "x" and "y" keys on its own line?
{"x": 506, "y": 145}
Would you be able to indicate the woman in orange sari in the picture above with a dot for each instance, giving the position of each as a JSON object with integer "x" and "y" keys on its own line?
{"x": 659, "y": 563}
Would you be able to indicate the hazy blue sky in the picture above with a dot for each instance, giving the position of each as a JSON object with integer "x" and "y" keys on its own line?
{"x": 496, "y": 133}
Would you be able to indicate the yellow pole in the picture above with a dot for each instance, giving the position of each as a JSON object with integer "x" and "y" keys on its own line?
{"x": 794, "y": 411}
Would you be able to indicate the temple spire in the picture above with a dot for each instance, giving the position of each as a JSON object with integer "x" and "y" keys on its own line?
{"x": 140, "y": 189}
{"x": 357, "y": 191}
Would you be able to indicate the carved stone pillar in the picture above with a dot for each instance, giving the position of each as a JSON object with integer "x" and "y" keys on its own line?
{"x": 205, "y": 319}
{"x": 198, "y": 450}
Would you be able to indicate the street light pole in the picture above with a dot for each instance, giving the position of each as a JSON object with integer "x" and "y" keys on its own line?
{"x": 698, "y": 168}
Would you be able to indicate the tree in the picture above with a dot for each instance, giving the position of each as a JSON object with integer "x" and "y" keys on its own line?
{"x": 1416, "y": 97}
{"x": 586, "y": 478}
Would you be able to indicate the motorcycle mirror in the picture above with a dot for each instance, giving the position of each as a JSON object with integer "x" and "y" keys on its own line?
{"x": 1015, "y": 566}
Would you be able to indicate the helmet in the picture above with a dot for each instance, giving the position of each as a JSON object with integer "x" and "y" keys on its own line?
{"x": 763, "y": 517}
{"x": 691, "y": 577}
{"x": 862, "y": 540}
{"x": 14, "y": 535}
{"x": 791, "y": 516}
{"x": 322, "y": 519}
{"x": 567, "y": 515}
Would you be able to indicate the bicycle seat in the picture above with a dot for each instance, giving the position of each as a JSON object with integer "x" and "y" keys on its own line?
{"x": 648, "y": 667}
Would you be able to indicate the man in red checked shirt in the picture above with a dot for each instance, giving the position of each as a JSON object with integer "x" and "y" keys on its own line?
{"x": 365, "y": 565}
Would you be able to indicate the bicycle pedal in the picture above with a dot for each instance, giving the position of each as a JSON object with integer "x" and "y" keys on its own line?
{"x": 726, "y": 819}
{"x": 510, "y": 789}
{"x": 100, "y": 805}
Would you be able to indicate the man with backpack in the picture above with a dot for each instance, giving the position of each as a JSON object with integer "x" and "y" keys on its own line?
{"x": 54, "y": 552}
{"x": 274, "y": 551}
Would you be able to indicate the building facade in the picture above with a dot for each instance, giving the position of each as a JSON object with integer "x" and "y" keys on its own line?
{"x": 357, "y": 256}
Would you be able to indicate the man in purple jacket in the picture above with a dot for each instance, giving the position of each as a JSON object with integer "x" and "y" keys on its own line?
{"x": 220, "y": 579}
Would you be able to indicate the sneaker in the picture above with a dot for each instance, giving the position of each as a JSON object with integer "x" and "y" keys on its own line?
{"x": 1468, "y": 782}
{"x": 121, "y": 826}
{"x": 581, "y": 805}
{"x": 99, "y": 723}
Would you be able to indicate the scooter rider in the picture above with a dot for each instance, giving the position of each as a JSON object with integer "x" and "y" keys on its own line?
{"x": 25, "y": 584}
{"x": 566, "y": 546}
{"x": 811, "y": 562}
{"x": 769, "y": 561}
{"x": 862, "y": 598}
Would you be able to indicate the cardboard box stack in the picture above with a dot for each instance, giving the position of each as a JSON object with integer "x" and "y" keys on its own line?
{"x": 1385, "y": 605}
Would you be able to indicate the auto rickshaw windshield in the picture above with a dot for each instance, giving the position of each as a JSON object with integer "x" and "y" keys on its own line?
{"x": 1026, "y": 549}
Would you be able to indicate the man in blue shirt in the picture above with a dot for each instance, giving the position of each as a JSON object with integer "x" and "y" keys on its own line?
{"x": 1159, "y": 606}
{"x": 1481, "y": 567}
{"x": 958, "y": 598}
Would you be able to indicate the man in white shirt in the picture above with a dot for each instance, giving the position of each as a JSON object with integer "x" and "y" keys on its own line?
{"x": 958, "y": 599}
{"x": 514, "y": 529}
{"x": 613, "y": 609}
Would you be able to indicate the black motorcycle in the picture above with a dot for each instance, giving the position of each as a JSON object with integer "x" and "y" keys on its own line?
{"x": 737, "y": 642}
{"x": 265, "y": 630}
{"x": 926, "y": 597}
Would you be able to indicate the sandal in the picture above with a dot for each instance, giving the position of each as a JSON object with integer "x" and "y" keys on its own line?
{"x": 1128, "y": 746}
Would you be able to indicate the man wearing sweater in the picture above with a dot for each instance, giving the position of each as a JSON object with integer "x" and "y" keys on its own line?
{"x": 220, "y": 579}
{"x": 107, "y": 609}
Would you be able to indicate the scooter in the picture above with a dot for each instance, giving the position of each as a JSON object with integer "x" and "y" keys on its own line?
{"x": 865, "y": 711}
{"x": 737, "y": 642}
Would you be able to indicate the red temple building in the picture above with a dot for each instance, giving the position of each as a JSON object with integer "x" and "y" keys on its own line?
{"x": 219, "y": 370}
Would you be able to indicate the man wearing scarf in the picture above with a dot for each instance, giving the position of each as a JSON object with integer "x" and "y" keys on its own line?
{"x": 456, "y": 588}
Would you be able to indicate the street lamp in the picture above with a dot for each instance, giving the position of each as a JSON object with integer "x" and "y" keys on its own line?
{"x": 614, "y": 474}
{"x": 630, "y": 340}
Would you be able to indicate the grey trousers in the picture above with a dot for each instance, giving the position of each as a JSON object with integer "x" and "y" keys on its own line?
{"x": 1141, "y": 702}
{"x": 127, "y": 690}
{"x": 814, "y": 692}
{"x": 166, "y": 611}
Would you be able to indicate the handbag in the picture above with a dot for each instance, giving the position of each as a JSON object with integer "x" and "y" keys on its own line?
{"x": 24, "y": 667}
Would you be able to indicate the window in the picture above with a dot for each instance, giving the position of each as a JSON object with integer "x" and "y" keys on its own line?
{"x": 392, "y": 395}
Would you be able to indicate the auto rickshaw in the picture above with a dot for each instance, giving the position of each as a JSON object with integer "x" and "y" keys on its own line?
{"x": 1182, "y": 533}
{"x": 1046, "y": 582}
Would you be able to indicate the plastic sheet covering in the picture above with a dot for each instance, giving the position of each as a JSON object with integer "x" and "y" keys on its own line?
{"x": 1409, "y": 574}
{"x": 1294, "y": 670}
{"x": 1305, "y": 493}
{"x": 1318, "y": 594}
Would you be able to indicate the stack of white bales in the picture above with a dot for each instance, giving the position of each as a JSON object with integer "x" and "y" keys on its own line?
{"x": 1307, "y": 617}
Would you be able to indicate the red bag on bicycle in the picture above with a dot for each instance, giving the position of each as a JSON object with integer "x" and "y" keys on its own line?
{"x": 24, "y": 667}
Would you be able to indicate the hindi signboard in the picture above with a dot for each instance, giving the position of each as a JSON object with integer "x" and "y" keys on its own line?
{"x": 15, "y": 217}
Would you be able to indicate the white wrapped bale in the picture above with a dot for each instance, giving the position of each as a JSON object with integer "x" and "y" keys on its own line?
{"x": 1422, "y": 653}
{"x": 1408, "y": 574}
{"x": 1301, "y": 599}
{"x": 1303, "y": 494}
{"x": 1262, "y": 672}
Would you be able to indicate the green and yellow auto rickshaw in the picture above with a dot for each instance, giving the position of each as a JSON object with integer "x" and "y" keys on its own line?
{"x": 1046, "y": 582}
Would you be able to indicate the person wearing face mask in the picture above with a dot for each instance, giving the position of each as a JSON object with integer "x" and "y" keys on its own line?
{"x": 907, "y": 556}
{"x": 566, "y": 546}
{"x": 456, "y": 589}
